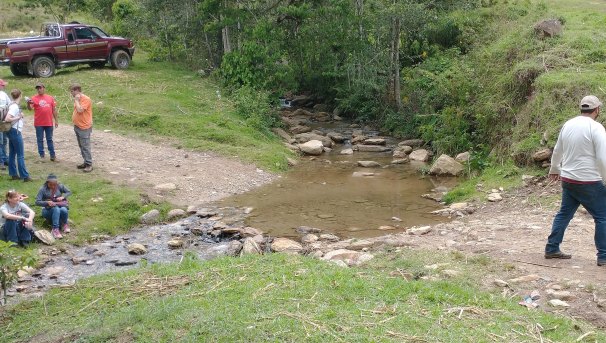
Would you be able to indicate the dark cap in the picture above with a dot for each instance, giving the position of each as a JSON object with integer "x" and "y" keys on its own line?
{"x": 51, "y": 178}
{"x": 39, "y": 85}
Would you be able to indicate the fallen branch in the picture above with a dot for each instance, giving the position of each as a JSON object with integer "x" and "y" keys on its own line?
{"x": 538, "y": 264}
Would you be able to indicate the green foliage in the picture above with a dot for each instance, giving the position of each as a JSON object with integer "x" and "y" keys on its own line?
{"x": 13, "y": 259}
{"x": 256, "y": 107}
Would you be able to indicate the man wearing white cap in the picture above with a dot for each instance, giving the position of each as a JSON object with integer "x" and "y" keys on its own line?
{"x": 579, "y": 161}
{"x": 5, "y": 100}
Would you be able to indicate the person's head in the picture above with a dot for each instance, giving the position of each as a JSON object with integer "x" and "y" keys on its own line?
{"x": 40, "y": 88}
{"x": 12, "y": 197}
{"x": 16, "y": 94}
{"x": 590, "y": 106}
{"x": 2, "y": 84}
{"x": 75, "y": 89}
{"x": 52, "y": 181}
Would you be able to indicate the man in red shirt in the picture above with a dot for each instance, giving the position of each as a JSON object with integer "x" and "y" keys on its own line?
{"x": 45, "y": 112}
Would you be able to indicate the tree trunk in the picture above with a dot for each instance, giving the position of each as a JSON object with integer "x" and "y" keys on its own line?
{"x": 396, "y": 64}
{"x": 226, "y": 40}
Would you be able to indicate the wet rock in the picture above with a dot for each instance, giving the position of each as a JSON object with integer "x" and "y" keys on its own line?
{"x": 329, "y": 237}
{"x": 306, "y": 137}
{"x": 150, "y": 217}
{"x": 307, "y": 229}
{"x": 494, "y": 197}
{"x": 361, "y": 244}
{"x": 349, "y": 257}
{"x": 286, "y": 245}
{"x": 372, "y": 148}
{"x": 78, "y": 259}
{"x": 300, "y": 129}
{"x": 417, "y": 231}
{"x": 206, "y": 212}
{"x": 231, "y": 231}
{"x": 542, "y": 155}
{"x": 292, "y": 162}
{"x": 400, "y": 161}
{"x": 419, "y": 155}
{"x": 175, "y": 243}
{"x": 121, "y": 263}
{"x": 248, "y": 210}
{"x": 317, "y": 254}
{"x": 369, "y": 164}
{"x": 217, "y": 250}
{"x": 53, "y": 272}
{"x": 234, "y": 248}
{"x": 346, "y": 152}
{"x": 402, "y": 151}
{"x": 558, "y": 303}
{"x": 198, "y": 231}
{"x": 21, "y": 288}
{"x": 336, "y": 137}
{"x": 463, "y": 157}
{"x": 437, "y": 197}
{"x": 447, "y": 166}
{"x": 136, "y": 249}
{"x": 165, "y": 187}
{"x": 525, "y": 279}
{"x": 309, "y": 238}
{"x": 175, "y": 213}
{"x": 374, "y": 141}
{"x": 250, "y": 246}
{"x": 362, "y": 174}
{"x": 313, "y": 147}
{"x": 412, "y": 143}
{"x": 259, "y": 239}
{"x": 250, "y": 232}
{"x": 386, "y": 228}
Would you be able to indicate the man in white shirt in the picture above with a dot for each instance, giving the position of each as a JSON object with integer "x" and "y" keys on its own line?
{"x": 579, "y": 161}
{"x": 5, "y": 100}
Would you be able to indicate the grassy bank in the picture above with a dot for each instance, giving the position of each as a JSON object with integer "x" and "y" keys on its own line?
{"x": 287, "y": 298}
{"x": 163, "y": 103}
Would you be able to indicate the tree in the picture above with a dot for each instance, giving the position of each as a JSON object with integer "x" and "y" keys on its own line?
{"x": 60, "y": 9}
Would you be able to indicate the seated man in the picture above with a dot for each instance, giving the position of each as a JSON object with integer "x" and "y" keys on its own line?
{"x": 52, "y": 196}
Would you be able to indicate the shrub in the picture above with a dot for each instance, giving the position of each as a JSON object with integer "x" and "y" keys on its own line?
{"x": 11, "y": 261}
{"x": 256, "y": 107}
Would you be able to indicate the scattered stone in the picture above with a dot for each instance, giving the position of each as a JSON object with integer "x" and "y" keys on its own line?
{"x": 402, "y": 151}
{"x": 463, "y": 157}
{"x": 417, "y": 231}
{"x": 336, "y": 137}
{"x": 198, "y": 231}
{"x": 231, "y": 231}
{"x": 165, "y": 187}
{"x": 369, "y": 164}
{"x": 525, "y": 278}
{"x": 419, "y": 155}
{"x": 313, "y": 147}
{"x": 349, "y": 257}
{"x": 250, "y": 246}
{"x": 234, "y": 248}
{"x": 396, "y": 219}
{"x": 562, "y": 295}
{"x": 372, "y": 148}
{"x": 309, "y": 238}
{"x": 150, "y": 217}
{"x": 291, "y": 161}
{"x": 446, "y": 165}
{"x": 121, "y": 263}
{"x": 329, "y": 237}
{"x": 259, "y": 239}
{"x": 374, "y": 141}
{"x": 248, "y": 210}
{"x": 286, "y": 245}
{"x": 45, "y": 237}
{"x": 250, "y": 232}
{"x": 412, "y": 143}
{"x": 175, "y": 243}
{"x": 306, "y": 137}
{"x": 494, "y": 197}
{"x": 136, "y": 249}
{"x": 361, "y": 244}
{"x": 500, "y": 283}
{"x": 21, "y": 288}
{"x": 175, "y": 213}
{"x": 346, "y": 152}
{"x": 400, "y": 161}
{"x": 300, "y": 129}
{"x": 386, "y": 228}
{"x": 53, "y": 272}
{"x": 542, "y": 155}
{"x": 307, "y": 229}
{"x": 558, "y": 303}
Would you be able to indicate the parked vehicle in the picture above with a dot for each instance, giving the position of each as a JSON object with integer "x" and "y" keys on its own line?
{"x": 62, "y": 45}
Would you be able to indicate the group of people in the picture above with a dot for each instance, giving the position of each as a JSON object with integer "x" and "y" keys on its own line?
{"x": 16, "y": 221}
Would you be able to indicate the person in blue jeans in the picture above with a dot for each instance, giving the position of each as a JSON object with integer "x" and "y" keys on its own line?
{"x": 17, "y": 220}
{"x": 579, "y": 161}
{"x": 52, "y": 196}
{"x": 15, "y": 140}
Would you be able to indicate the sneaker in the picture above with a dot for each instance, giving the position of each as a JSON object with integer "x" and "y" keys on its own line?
{"x": 66, "y": 228}
{"x": 56, "y": 233}
{"x": 601, "y": 263}
{"x": 15, "y": 177}
{"x": 42, "y": 156}
{"x": 81, "y": 166}
{"x": 53, "y": 158}
{"x": 88, "y": 169}
{"x": 558, "y": 254}
{"x": 27, "y": 179}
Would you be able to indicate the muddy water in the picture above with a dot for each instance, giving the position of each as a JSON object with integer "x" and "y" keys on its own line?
{"x": 329, "y": 192}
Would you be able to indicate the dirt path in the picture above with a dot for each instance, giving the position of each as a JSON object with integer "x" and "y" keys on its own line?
{"x": 197, "y": 177}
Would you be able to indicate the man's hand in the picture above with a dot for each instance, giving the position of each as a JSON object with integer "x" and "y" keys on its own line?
{"x": 56, "y": 124}
{"x": 554, "y": 177}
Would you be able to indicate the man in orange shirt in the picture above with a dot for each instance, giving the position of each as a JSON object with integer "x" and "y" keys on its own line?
{"x": 83, "y": 125}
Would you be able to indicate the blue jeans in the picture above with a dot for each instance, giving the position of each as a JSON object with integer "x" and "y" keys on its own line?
{"x": 3, "y": 142}
{"x": 14, "y": 231}
{"x": 15, "y": 149}
{"x": 56, "y": 215}
{"x": 593, "y": 198}
{"x": 41, "y": 131}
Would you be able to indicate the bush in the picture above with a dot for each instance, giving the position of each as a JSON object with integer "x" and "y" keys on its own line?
{"x": 12, "y": 259}
{"x": 256, "y": 107}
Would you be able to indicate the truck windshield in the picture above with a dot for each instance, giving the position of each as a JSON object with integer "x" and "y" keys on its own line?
{"x": 50, "y": 30}
{"x": 99, "y": 32}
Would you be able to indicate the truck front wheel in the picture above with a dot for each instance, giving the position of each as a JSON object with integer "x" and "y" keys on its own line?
{"x": 120, "y": 59}
{"x": 43, "y": 67}
{"x": 19, "y": 69}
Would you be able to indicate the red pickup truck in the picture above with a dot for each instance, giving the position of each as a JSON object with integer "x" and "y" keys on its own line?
{"x": 62, "y": 45}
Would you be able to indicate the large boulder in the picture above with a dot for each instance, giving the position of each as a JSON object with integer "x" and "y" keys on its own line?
{"x": 542, "y": 155}
{"x": 175, "y": 213}
{"x": 463, "y": 157}
{"x": 402, "y": 151}
{"x": 300, "y": 129}
{"x": 446, "y": 165}
{"x": 313, "y": 147}
{"x": 336, "y": 137}
{"x": 419, "y": 155}
{"x": 309, "y": 136}
{"x": 250, "y": 246}
{"x": 374, "y": 141}
{"x": 548, "y": 28}
{"x": 412, "y": 143}
{"x": 136, "y": 249}
{"x": 150, "y": 217}
{"x": 286, "y": 245}
{"x": 349, "y": 257}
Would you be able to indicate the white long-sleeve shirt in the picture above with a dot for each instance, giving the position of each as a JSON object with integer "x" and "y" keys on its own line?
{"x": 580, "y": 152}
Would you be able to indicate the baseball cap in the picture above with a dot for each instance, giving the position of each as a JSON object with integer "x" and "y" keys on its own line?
{"x": 3, "y": 83}
{"x": 590, "y": 102}
{"x": 39, "y": 85}
{"x": 51, "y": 178}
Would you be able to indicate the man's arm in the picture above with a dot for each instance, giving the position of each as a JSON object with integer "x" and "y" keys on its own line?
{"x": 556, "y": 159}
{"x": 599, "y": 144}
{"x": 55, "y": 113}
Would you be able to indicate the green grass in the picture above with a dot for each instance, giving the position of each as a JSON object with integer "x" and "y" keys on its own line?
{"x": 283, "y": 298}
{"x": 165, "y": 104}
{"x": 97, "y": 205}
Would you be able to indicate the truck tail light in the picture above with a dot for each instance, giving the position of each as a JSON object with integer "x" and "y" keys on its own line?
{"x": 7, "y": 52}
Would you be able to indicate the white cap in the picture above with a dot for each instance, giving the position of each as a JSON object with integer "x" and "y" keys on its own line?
{"x": 590, "y": 102}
